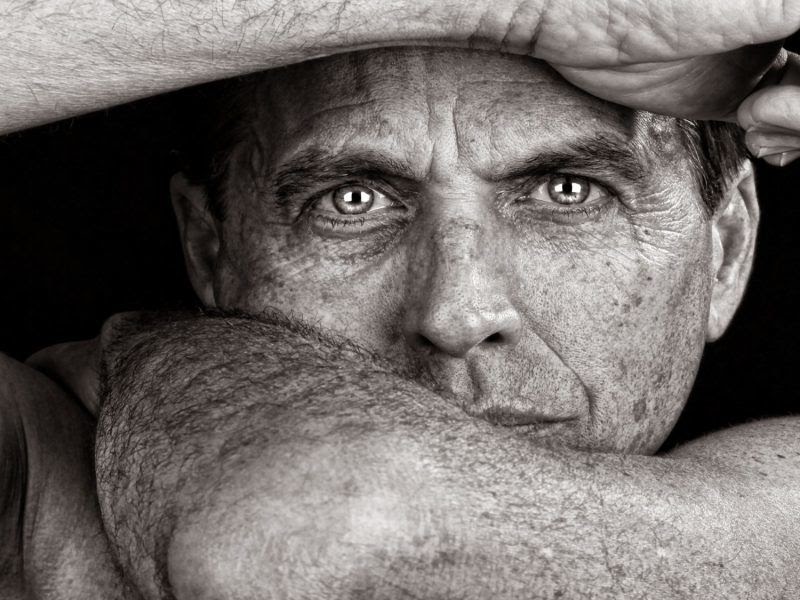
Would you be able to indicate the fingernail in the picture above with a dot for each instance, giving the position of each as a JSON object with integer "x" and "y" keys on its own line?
{"x": 788, "y": 157}
{"x": 774, "y": 140}
{"x": 765, "y": 151}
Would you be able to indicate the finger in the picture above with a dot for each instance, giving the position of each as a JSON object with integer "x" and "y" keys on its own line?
{"x": 707, "y": 88}
{"x": 782, "y": 159}
{"x": 776, "y": 106}
{"x": 764, "y": 143}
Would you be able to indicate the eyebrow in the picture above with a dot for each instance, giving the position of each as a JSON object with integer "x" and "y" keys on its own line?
{"x": 598, "y": 154}
{"x": 315, "y": 166}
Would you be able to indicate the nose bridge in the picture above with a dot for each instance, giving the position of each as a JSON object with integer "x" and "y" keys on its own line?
{"x": 454, "y": 252}
{"x": 459, "y": 243}
{"x": 460, "y": 286}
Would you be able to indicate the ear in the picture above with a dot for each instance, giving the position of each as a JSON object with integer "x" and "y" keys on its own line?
{"x": 200, "y": 236}
{"x": 733, "y": 231}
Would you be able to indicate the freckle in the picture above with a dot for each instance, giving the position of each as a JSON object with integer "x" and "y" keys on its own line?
{"x": 608, "y": 263}
{"x": 646, "y": 232}
{"x": 649, "y": 278}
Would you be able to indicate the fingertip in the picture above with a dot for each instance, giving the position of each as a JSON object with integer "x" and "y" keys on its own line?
{"x": 782, "y": 159}
{"x": 744, "y": 114}
{"x": 771, "y": 108}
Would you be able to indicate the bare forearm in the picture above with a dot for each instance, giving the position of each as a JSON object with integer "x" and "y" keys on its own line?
{"x": 389, "y": 487}
{"x": 61, "y": 57}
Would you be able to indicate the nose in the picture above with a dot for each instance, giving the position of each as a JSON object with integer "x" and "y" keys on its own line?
{"x": 460, "y": 280}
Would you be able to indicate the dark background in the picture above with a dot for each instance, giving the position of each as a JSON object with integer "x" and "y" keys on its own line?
{"x": 86, "y": 230}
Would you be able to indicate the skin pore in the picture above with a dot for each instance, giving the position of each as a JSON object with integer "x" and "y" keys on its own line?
{"x": 257, "y": 459}
{"x": 584, "y": 321}
{"x": 244, "y": 455}
{"x": 242, "y": 458}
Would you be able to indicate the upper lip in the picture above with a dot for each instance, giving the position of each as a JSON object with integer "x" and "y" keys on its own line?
{"x": 506, "y": 408}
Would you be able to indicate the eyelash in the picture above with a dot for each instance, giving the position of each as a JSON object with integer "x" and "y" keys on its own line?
{"x": 577, "y": 212}
{"x": 355, "y": 221}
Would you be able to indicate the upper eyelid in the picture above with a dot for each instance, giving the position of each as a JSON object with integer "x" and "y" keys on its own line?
{"x": 314, "y": 200}
{"x": 285, "y": 195}
{"x": 529, "y": 182}
{"x": 333, "y": 189}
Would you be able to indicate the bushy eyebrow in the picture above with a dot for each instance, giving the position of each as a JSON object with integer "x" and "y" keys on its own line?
{"x": 596, "y": 154}
{"x": 315, "y": 167}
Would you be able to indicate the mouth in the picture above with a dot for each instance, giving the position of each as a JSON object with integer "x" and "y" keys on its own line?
{"x": 512, "y": 415}
{"x": 515, "y": 418}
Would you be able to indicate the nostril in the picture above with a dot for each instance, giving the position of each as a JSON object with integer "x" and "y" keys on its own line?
{"x": 423, "y": 343}
{"x": 495, "y": 338}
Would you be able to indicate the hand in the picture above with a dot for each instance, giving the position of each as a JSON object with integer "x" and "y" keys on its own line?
{"x": 682, "y": 57}
{"x": 771, "y": 117}
{"x": 689, "y": 59}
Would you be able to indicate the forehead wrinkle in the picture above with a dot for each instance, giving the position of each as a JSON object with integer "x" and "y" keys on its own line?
{"x": 339, "y": 100}
{"x": 332, "y": 116}
{"x": 502, "y": 118}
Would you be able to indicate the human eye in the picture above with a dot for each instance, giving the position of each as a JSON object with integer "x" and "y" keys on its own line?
{"x": 567, "y": 190}
{"x": 561, "y": 197}
{"x": 356, "y": 205}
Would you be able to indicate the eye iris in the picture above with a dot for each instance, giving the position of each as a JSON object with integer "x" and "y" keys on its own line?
{"x": 353, "y": 200}
{"x": 568, "y": 190}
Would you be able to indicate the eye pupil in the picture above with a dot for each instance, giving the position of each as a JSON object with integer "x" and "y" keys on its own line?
{"x": 353, "y": 199}
{"x": 568, "y": 190}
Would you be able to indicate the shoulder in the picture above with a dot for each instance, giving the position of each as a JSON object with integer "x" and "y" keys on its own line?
{"x": 45, "y": 440}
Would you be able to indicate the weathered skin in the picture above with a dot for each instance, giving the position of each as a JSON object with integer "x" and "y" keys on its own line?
{"x": 246, "y": 460}
{"x": 599, "y": 317}
{"x": 250, "y": 460}
{"x": 675, "y": 56}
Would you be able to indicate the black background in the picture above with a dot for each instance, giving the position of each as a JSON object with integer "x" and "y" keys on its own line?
{"x": 86, "y": 230}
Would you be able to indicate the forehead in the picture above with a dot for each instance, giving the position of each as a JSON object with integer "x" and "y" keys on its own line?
{"x": 477, "y": 108}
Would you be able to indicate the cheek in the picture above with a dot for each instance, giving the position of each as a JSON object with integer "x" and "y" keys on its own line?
{"x": 351, "y": 287}
{"x": 625, "y": 305}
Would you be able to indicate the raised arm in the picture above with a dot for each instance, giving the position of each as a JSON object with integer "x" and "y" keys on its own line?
{"x": 65, "y": 57}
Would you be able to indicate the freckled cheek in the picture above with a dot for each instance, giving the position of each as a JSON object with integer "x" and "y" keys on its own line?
{"x": 631, "y": 326}
{"x": 331, "y": 287}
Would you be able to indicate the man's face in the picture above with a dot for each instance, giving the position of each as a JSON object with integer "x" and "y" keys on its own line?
{"x": 535, "y": 255}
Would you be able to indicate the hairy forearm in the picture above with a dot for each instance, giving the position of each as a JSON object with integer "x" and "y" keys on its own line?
{"x": 385, "y": 486}
{"x": 65, "y": 57}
